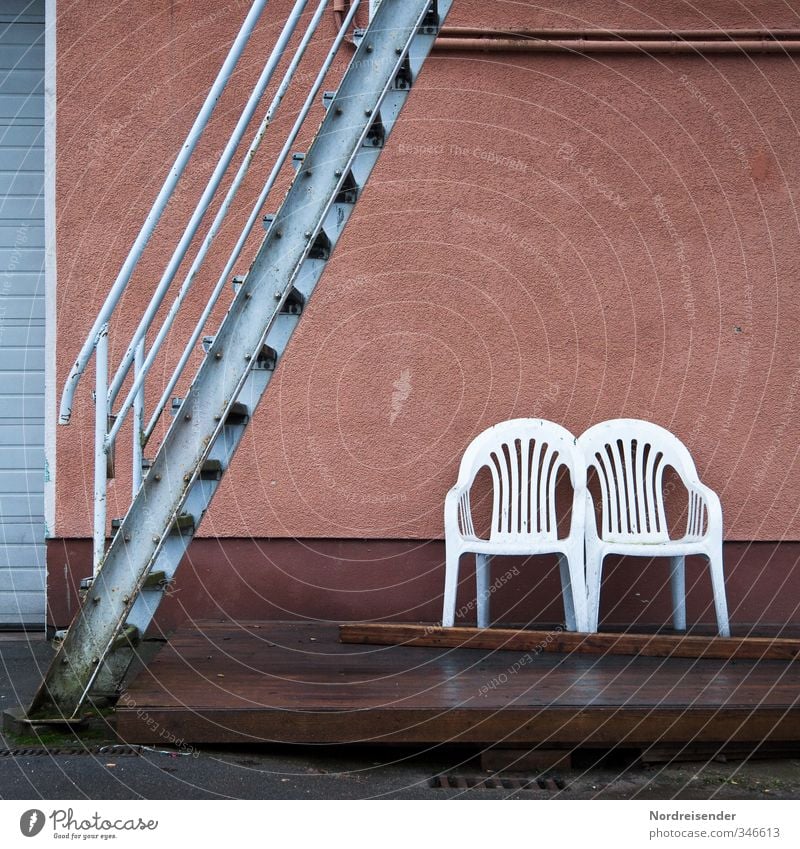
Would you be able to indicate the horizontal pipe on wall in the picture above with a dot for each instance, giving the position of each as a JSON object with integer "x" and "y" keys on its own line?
{"x": 519, "y": 40}
{"x": 625, "y": 34}
{"x": 583, "y": 46}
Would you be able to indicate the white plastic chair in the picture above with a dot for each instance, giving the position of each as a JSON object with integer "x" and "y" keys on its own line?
{"x": 630, "y": 457}
{"x": 524, "y": 457}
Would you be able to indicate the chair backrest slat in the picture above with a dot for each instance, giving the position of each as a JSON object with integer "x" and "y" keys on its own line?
{"x": 640, "y": 481}
{"x": 651, "y": 491}
{"x": 496, "y": 492}
{"x": 550, "y": 467}
{"x": 525, "y": 486}
{"x": 533, "y": 487}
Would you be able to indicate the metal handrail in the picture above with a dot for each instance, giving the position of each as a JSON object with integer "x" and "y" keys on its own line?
{"x": 213, "y": 231}
{"x": 205, "y": 199}
{"x": 248, "y": 227}
{"x": 137, "y": 354}
{"x": 156, "y": 211}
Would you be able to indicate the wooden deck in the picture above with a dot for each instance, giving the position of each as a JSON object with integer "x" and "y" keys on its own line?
{"x": 296, "y": 683}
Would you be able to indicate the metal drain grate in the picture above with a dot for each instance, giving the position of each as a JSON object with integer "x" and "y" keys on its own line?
{"x": 117, "y": 751}
{"x": 494, "y": 782}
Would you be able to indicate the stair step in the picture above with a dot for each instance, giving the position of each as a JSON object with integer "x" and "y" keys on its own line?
{"x": 267, "y": 221}
{"x": 128, "y": 637}
{"x": 404, "y": 78}
{"x": 267, "y": 359}
{"x": 376, "y": 134}
{"x": 431, "y": 21}
{"x": 236, "y": 283}
{"x": 297, "y": 160}
{"x": 183, "y": 522}
{"x": 211, "y": 470}
{"x": 293, "y": 305}
{"x": 155, "y": 580}
{"x": 327, "y": 98}
{"x": 320, "y": 247}
{"x": 238, "y": 415}
{"x": 348, "y": 192}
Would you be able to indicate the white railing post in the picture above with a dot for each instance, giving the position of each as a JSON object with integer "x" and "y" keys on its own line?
{"x": 138, "y": 423}
{"x": 100, "y": 453}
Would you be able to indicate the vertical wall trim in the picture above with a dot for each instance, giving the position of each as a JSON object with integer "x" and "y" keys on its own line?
{"x": 50, "y": 267}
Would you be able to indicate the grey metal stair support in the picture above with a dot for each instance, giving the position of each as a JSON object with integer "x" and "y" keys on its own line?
{"x": 241, "y": 358}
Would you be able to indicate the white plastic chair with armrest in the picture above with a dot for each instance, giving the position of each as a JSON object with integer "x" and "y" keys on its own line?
{"x": 629, "y": 457}
{"x": 524, "y": 457}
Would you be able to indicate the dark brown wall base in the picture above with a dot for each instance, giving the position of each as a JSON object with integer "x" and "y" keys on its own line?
{"x": 401, "y": 580}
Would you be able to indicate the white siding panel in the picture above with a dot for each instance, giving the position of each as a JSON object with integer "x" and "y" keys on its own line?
{"x": 21, "y": 234}
{"x": 23, "y": 34}
{"x": 15, "y": 183}
{"x": 20, "y": 505}
{"x": 20, "y": 335}
{"x": 14, "y": 208}
{"x": 22, "y": 313}
{"x": 23, "y": 481}
{"x": 14, "y": 359}
{"x": 21, "y": 533}
{"x": 23, "y": 581}
{"x": 21, "y": 457}
{"x": 22, "y": 57}
{"x": 21, "y": 608}
{"x": 20, "y": 557}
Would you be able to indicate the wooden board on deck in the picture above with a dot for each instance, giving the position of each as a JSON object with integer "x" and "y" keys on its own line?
{"x": 295, "y": 682}
{"x": 567, "y": 642}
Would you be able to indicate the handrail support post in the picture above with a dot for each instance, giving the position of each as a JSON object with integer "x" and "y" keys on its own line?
{"x": 138, "y": 423}
{"x": 100, "y": 448}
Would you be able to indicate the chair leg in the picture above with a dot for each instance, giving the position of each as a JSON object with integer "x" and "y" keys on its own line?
{"x": 594, "y": 575}
{"x": 677, "y": 582}
{"x": 718, "y": 585}
{"x": 482, "y": 562}
{"x": 453, "y": 556}
{"x": 567, "y": 592}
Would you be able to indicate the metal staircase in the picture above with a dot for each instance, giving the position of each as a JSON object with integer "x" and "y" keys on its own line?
{"x": 172, "y": 493}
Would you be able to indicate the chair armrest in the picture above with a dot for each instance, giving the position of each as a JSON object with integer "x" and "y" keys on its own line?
{"x": 703, "y": 499}
{"x": 457, "y": 511}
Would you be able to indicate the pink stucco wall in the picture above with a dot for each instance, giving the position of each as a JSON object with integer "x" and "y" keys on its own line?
{"x": 576, "y": 238}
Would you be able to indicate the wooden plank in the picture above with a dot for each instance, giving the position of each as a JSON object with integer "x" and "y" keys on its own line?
{"x": 554, "y": 727}
{"x": 567, "y": 642}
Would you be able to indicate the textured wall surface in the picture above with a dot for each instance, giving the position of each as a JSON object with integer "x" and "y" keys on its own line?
{"x": 576, "y": 238}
